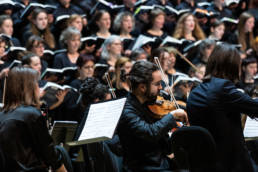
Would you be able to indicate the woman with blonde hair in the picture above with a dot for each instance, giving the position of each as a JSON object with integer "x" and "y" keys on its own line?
{"x": 122, "y": 68}
{"x": 76, "y": 21}
{"x": 188, "y": 28}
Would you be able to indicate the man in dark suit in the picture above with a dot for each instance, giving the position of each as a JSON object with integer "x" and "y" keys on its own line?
{"x": 145, "y": 139}
{"x": 216, "y": 105}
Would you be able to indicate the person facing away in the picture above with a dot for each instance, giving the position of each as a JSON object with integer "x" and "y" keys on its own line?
{"x": 25, "y": 140}
{"x": 216, "y": 105}
{"x": 144, "y": 139}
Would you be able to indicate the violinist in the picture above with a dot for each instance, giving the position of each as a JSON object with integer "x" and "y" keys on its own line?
{"x": 216, "y": 105}
{"x": 144, "y": 139}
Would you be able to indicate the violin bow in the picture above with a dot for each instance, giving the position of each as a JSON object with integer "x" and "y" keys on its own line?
{"x": 4, "y": 90}
{"x": 188, "y": 61}
{"x": 156, "y": 59}
{"x": 110, "y": 85}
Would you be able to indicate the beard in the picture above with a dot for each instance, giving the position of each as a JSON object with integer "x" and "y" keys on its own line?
{"x": 151, "y": 97}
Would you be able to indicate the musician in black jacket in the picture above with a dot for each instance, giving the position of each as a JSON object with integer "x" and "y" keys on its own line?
{"x": 144, "y": 139}
{"x": 25, "y": 140}
{"x": 216, "y": 105}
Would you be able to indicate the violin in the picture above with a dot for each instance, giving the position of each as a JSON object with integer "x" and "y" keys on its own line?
{"x": 162, "y": 107}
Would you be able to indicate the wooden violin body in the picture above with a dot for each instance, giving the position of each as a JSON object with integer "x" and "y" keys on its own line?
{"x": 163, "y": 107}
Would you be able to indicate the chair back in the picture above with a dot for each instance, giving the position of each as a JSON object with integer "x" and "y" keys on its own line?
{"x": 194, "y": 148}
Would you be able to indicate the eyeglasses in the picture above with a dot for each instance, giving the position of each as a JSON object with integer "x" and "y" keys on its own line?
{"x": 157, "y": 83}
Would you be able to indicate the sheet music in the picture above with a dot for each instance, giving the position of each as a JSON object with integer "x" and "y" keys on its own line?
{"x": 102, "y": 119}
{"x": 251, "y": 128}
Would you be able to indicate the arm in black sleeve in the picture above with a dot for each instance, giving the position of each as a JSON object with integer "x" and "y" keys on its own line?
{"x": 151, "y": 132}
{"x": 241, "y": 102}
{"x": 43, "y": 143}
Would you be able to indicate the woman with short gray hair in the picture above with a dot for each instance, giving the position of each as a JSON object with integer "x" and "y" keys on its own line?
{"x": 124, "y": 24}
{"x": 67, "y": 34}
{"x": 71, "y": 40}
{"x": 111, "y": 50}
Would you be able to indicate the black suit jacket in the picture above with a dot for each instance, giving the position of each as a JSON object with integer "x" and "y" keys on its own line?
{"x": 216, "y": 105}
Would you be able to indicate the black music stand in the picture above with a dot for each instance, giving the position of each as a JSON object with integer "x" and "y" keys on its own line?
{"x": 63, "y": 132}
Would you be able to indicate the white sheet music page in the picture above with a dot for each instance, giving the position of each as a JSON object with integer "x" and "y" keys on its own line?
{"x": 251, "y": 128}
{"x": 102, "y": 120}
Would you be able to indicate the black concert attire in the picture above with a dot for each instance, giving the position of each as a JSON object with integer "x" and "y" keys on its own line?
{"x": 26, "y": 142}
{"x": 69, "y": 109}
{"x": 62, "y": 60}
{"x": 161, "y": 37}
{"x": 44, "y": 65}
{"x": 186, "y": 5}
{"x": 249, "y": 88}
{"x": 16, "y": 42}
{"x": 198, "y": 60}
{"x": 144, "y": 140}
{"x": 72, "y": 9}
{"x": 216, "y": 105}
{"x": 222, "y": 13}
{"x": 158, "y": 40}
{"x": 181, "y": 64}
{"x": 76, "y": 83}
{"x": 158, "y": 2}
{"x": 121, "y": 92}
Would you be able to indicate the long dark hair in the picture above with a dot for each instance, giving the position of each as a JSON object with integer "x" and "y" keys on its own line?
{"x": 48, "y": 36}
{"x": 241, "y": 32}
{"x": 21, "y": 88}
{"x": 224, "y": 62}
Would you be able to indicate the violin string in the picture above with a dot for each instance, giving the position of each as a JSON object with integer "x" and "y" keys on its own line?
{"x": 156, "y": 59}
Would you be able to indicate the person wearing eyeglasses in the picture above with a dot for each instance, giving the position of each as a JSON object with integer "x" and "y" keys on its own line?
{"x": 144, "y": 139}
{"x": 85, "y": 64}
{"x": 36, "y": 45}
{"x": 69, "y": 109}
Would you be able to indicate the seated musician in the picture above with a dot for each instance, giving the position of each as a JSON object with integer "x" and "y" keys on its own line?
{"x": 25, "y": 140}
{"x": 144, "y": 139}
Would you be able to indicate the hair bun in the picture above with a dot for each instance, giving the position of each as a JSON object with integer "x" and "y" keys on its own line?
{"x": 88, "y": 85}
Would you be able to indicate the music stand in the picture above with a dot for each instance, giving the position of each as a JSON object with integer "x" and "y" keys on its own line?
{"x": 63, "y": 132}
